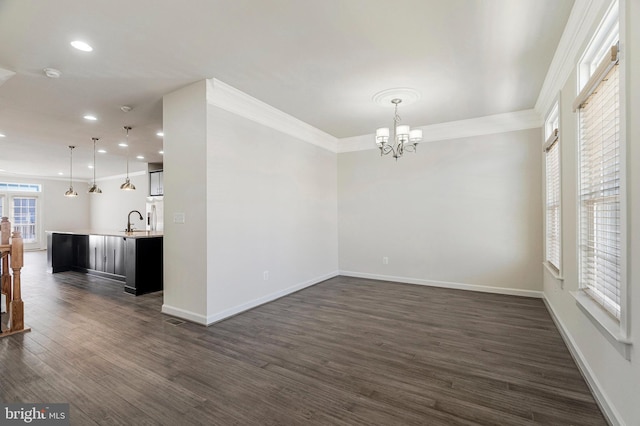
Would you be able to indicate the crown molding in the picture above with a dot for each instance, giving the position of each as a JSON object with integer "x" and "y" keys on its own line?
{"x": 223, "y": 96}
{"x": 574, "y": 37}
{"x": 499, "y": 123}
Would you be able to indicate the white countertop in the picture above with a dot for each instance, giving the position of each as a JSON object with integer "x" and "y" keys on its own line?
{"x": 134, "y": 234}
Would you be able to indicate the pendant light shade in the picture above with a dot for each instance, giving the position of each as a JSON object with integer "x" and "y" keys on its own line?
{"x": 127, "y": 185}
{"x": 94, "y": 188}
{"x": 70, "y": 192}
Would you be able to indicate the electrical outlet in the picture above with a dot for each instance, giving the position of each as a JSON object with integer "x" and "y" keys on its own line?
{"x": 265, "y": 275}
{"x": 385, "y": 260}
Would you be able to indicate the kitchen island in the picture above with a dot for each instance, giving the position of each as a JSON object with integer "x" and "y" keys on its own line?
{"x": 135, "y": 258}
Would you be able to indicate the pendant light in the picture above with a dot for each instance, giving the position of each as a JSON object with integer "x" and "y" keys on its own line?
{"x": 70, "y": 192}
{"x": 127, "y": 185}
{"x": 94, "y": 188}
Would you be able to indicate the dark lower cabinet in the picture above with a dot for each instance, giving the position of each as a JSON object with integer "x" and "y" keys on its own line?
{"x": 80, "y": 248}
{"x": 136, "y": 261}
{"x": 144, "y": 272}
{"x": 59, "y": 252}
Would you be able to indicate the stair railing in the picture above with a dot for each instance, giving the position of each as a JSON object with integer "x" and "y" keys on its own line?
{"x": 12, "y": 252}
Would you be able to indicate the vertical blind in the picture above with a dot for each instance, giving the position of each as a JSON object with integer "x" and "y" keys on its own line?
{"x": 552, "y": 162}
{"x": 600, "y": 193}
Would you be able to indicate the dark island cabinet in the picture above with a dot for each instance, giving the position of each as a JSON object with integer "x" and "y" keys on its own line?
{"x": 135, "y": 261}
{"x": 80, "y": 248}
{"x": 144, "y": 265}
{"x": 106, "y": 254}
{"x": 61, "y": 258}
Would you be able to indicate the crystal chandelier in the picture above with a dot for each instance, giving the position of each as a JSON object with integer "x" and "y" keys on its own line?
{"x": 403, "y": 137}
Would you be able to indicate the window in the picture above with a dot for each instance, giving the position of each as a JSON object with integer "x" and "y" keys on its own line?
{"x": 552, "y": 122}
{"x": 20, "y": 187}
{"x": 600, "y": 195}
{"x": 552, "y": 188}
{"x": 599, "y": 47}
{"x": 24, "y": 217}
{"x": 20, "y": 203}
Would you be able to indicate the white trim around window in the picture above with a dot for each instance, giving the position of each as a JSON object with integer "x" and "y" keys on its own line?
{"x": 552, "y": 194}
{"x": 553, "y": 203}
{"x": 602, "y": 201}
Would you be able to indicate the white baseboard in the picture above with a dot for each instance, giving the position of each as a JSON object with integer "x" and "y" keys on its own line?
{"x": 184, "y": 314}
{"x": 447, "y": 284}
{"x": 219, "y": 316}
{"x": 610, "y": 413}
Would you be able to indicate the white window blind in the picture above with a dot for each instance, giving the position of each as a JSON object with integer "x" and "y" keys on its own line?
{"x": 600, "y": 223}
{"x": 552, "y": 169}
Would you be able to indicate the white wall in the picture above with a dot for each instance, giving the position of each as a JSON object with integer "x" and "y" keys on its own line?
{"x": 109, "y": 210}
{"x": 57, "y": 211}
{"x": 461, "y": 213}
{"x": 60, "y": 212}
{"x": 272, "y": 206}
{"x": 255, "y": 199}
{"x": 615, "y": 380}
{"x": 185, "y": 186}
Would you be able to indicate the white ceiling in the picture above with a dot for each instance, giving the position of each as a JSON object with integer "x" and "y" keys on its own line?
{"x": 320, "y": 61}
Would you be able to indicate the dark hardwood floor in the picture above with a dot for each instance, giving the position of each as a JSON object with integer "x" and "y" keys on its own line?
{"x": 344, "y": 352}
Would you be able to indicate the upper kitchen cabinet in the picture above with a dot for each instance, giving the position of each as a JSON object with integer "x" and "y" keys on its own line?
{"x": 155, "y": 183}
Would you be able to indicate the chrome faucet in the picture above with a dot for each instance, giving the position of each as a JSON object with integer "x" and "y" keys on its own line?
{"x": 129, "y": 228}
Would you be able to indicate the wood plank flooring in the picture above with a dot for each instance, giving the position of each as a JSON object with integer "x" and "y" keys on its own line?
{"x": 344, "y": 352}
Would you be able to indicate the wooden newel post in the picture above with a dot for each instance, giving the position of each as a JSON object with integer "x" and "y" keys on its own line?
{"x": 5, "y": 233}
{"x": 17, "y": 261}
{"x": 5, "y": 228}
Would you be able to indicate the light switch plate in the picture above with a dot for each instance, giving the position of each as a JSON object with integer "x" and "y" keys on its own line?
{"x": 178, "y": 218}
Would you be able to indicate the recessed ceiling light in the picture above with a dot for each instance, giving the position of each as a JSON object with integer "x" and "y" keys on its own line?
{"x": 160, "y": 152}
{"x": 122, "y": 144}
{"x": 60, "y": 173}
{"x": 90, "y": 117}
{"x": 90, "y": 166}
{"x": 140, "y": 157}
{"x": 2, "y": 135}
{"x": 81, "y": 45}
{"x": 102, "y": 151}
{"x": 160, "y": 133}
